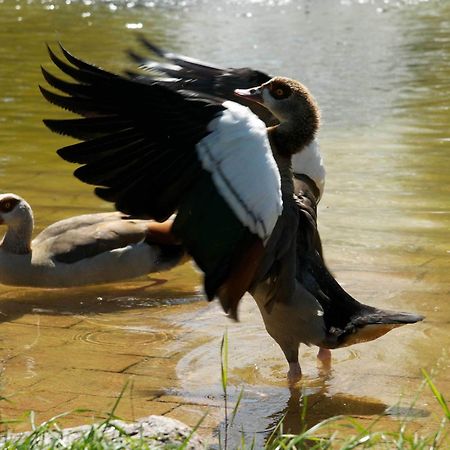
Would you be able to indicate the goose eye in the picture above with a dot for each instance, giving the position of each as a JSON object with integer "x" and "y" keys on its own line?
{"x": 6, "y": 206}
{"x": 279, "y": 91}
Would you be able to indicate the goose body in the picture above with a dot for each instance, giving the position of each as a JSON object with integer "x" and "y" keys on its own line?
{"x": 245, "y": 184}
{"x": 80, "y": 250}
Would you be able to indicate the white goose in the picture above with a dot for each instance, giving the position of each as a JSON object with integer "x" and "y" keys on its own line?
{"x": 80, "y": 250}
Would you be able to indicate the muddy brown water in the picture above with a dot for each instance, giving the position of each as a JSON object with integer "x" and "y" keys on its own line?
{"x": 380, "y": 71}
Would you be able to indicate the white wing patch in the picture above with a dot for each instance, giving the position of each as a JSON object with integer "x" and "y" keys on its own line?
{"x": 309, "y": 162}
{"x": 238, "y": 155}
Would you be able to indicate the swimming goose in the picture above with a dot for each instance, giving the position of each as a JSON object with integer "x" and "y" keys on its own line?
{"x": 80, "y": 250}
{"x": 156, "y": 145}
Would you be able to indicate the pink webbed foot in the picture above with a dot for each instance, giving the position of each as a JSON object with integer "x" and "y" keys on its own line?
{"x": 295, "y": 372}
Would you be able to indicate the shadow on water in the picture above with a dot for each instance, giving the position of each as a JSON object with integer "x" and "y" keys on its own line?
{"x": 303, "y": 406}
{"x": 319, "y": 406}
{"x": 95, "y": 300}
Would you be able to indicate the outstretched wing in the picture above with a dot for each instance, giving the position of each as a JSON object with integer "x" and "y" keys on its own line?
{"x": 182, "y": 72}
{"x": 153, "y": 151}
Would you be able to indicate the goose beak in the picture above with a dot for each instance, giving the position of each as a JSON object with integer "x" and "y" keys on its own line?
{"x": 252, "y": 94}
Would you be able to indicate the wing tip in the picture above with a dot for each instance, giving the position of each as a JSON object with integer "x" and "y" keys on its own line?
{"x": 229, "y": 300}
{"x": 241, "y": 277}
{"x": 150, "y": 46}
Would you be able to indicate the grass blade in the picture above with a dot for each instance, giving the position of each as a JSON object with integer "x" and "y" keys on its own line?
{"x": 437, "y": 394}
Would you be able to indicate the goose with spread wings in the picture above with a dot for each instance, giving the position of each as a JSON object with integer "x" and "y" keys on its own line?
{"x": 177, "y": 139}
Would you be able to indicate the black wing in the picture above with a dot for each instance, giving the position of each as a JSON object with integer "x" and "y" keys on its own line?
{"x": 182, "y": 72}
{"x": 139, "y": 146}
{"x": 120, "y": 148}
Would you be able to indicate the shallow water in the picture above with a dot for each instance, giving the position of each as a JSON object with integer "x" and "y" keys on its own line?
{"x": 380, "y": 71}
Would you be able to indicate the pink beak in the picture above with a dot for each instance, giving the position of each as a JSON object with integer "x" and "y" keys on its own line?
{"x": 253, "y": 94}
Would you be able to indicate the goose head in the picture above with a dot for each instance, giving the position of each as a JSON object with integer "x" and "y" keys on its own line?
{"x": 295, "y": 108}
{"x": 17, "y": 215}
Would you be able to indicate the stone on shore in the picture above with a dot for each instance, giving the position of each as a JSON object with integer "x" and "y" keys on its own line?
{"x": 156, "y": 432}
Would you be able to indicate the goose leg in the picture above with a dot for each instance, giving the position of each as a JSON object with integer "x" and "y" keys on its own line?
{"x": 290, "y": 350}
{"x": 324, "y": 355}
{"x": 295, "y": 372}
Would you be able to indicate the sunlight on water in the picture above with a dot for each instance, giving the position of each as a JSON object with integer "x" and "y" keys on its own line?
{"x": 380, "y": 71}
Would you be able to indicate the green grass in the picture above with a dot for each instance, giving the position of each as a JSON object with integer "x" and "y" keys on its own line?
{"x": 347, "y": 434}
{"x": 49, "y": 436}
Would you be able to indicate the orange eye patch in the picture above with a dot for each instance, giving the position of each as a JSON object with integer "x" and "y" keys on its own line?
{"x": 280, "y": 90}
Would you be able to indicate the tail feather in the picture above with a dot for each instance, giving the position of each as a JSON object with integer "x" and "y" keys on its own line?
{"x": 347, "y": 321}
{"x": 368, "y": 324}
{"x": 383, "y": 317}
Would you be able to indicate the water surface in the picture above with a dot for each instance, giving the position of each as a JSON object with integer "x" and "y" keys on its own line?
{"x": 380, "y": 71}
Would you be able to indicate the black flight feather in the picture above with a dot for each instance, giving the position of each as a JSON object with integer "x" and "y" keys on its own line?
{"x": 129, "y": 118}
{"x": 81, "y": 106}
{"x": 139, "y": 138}
{"x": 105, "y": 146}
{"x": 209, "y": 80}
{"x": 62, "y": 85}
{"x": 88, "y": 128}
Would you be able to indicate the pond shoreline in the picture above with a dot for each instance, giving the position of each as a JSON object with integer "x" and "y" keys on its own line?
{"x": 157, "y": 431}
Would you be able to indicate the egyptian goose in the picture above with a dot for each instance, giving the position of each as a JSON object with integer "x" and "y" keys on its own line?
{"x": 80, "y": 250}
{"x": 346, "y": 321}
{"x": 160, "y": 143}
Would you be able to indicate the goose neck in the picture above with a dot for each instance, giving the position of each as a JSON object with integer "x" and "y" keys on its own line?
{"x": 17, "y": 238}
